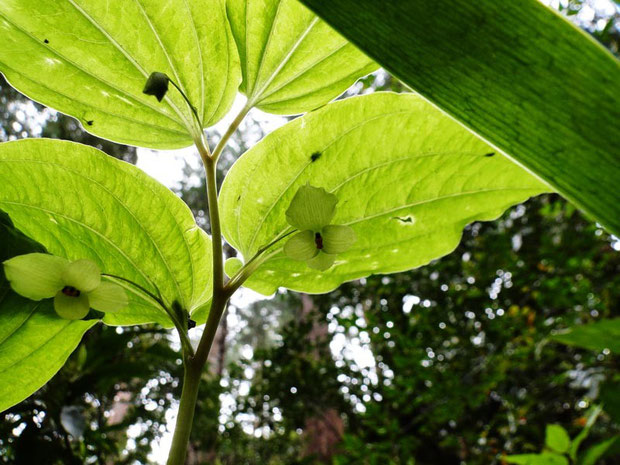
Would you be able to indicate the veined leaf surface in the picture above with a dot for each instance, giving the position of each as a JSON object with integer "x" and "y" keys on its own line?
{"x": 292, "y": 61}
{"x": 408, "y": 179}
{"x": 516, "y": 73}
{"x": 34, "y": 341}
{"x": 91, "y": 58}
{"x": 80, "y": 203}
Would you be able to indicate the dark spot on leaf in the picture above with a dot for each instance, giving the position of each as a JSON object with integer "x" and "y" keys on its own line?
{"x": 315, "y": 156}
{"x": 489, "y": 154}
{"x": 238, "y": 198}
{"x": 191, "y": 323}
{"x": 403, "y": 219}
{"x": 90, "y": 122}
{"x": 45, "y": 41}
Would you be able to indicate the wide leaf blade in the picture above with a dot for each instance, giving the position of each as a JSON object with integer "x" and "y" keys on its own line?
{"x": 91, "y": 59}
{"x": 516, "y": 73}
{"x": 292, "y": 61}
{"x": 407, "y": 179}
{"x": 80, "y": 203}
{"x": 34, "y": 341}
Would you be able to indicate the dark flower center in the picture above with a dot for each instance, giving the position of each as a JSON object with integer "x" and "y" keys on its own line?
{"x": 70, "y": 291}
{"x": 318, "y": 240}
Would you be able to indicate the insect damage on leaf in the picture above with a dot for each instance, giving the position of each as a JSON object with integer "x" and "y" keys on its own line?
{"x": 45, "y": 41}
{"x": 315, "y": 156}
{"x": 403, "y": 219}
{"x": 157, "y": 85}
{"x": 489, "y": 154}
{"x": 89, "y": 122}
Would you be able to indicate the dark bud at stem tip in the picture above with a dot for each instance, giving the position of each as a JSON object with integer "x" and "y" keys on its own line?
{"x": 157, "y": 85}
{"x": 318, "y": 240}
{"x": 70, "y": 291}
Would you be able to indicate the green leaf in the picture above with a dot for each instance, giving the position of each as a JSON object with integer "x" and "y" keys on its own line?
{"x": 292, "y": 62}
{"x": 80, "y": 203}
{"x": 407, "y": 179}
{"x": 593, "y": 414}
{"x": 597, "y": 451}
{"x": 557, "y": 439}
{"x": 545, "y": 458}
{"x": 92, "y": 59}
{"x": 34, "y": 341}
{"x": 604, "y": 334}
{"x": 519, "y": 75}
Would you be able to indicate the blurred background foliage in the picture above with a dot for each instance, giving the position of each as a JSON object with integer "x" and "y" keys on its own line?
{"x": 451, "y": 363}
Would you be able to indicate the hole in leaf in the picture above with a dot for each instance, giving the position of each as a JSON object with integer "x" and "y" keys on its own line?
{"x": 404, "y": 219}
{"x": 489, "y": 154}
{"x": 45, "y": 41}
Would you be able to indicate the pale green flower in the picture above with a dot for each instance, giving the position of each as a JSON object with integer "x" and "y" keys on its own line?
{"x": 75, "y": 286}
{"x": 318, "y": 242}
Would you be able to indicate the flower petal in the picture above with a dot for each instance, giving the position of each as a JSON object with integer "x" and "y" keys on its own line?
{"x": 322, "y": 261}
{"x": 36, "y": 276}
{"x": 301, "y": 246}
{"x": 337, "y": 238}
{"x": 108, "y": 297}
{"x": 311, "y": 208}
{"x": 71, "y": 308}
{"x": 83, "y": 274}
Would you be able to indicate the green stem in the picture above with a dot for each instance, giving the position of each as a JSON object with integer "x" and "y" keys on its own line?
{"x": 192, "y": 107}
{"x": 254, "y": 263}
{"x": 185, "y": 416}
{"x": 229, "y": 132}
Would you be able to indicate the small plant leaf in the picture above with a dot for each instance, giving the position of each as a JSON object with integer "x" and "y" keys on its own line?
{"x": 97, "y": 57}
{"x": 557, "y": 439}
{"x": 292, "y": 61}
{"x": 82, "y": 204}
{"x": 406, "y": 177}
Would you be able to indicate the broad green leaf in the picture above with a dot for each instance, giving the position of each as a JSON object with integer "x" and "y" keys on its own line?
{"x": 545, "y": 458}
{"x": 407, "y": 179}
{"x": 597, "y": 451}
{"x": 519, "y": 75}
{"x": 80, "y": 203}
{"x": 34, "y": 341}
{"x": 557, "y": 439}
{"x": 604, "y": 334}
{"x": 292, "y": 61}
{"x": 91, "y": 59}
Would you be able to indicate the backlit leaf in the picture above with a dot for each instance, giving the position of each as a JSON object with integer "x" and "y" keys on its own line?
{"x": 292, "y": 61}
{"x": 80, "y": 203}
{"x": 407, "y": 179}
{"x": 91, "y": 60}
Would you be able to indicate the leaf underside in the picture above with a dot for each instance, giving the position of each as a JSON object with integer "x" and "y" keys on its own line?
{"x": 292, "y": 61}
{"x": 90, "y": 59}
{"x": 80, "y": 203}
{"x": 516, "y": 73}
{"x": 603, "y": 334}
{"x": 408, "y": 179}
